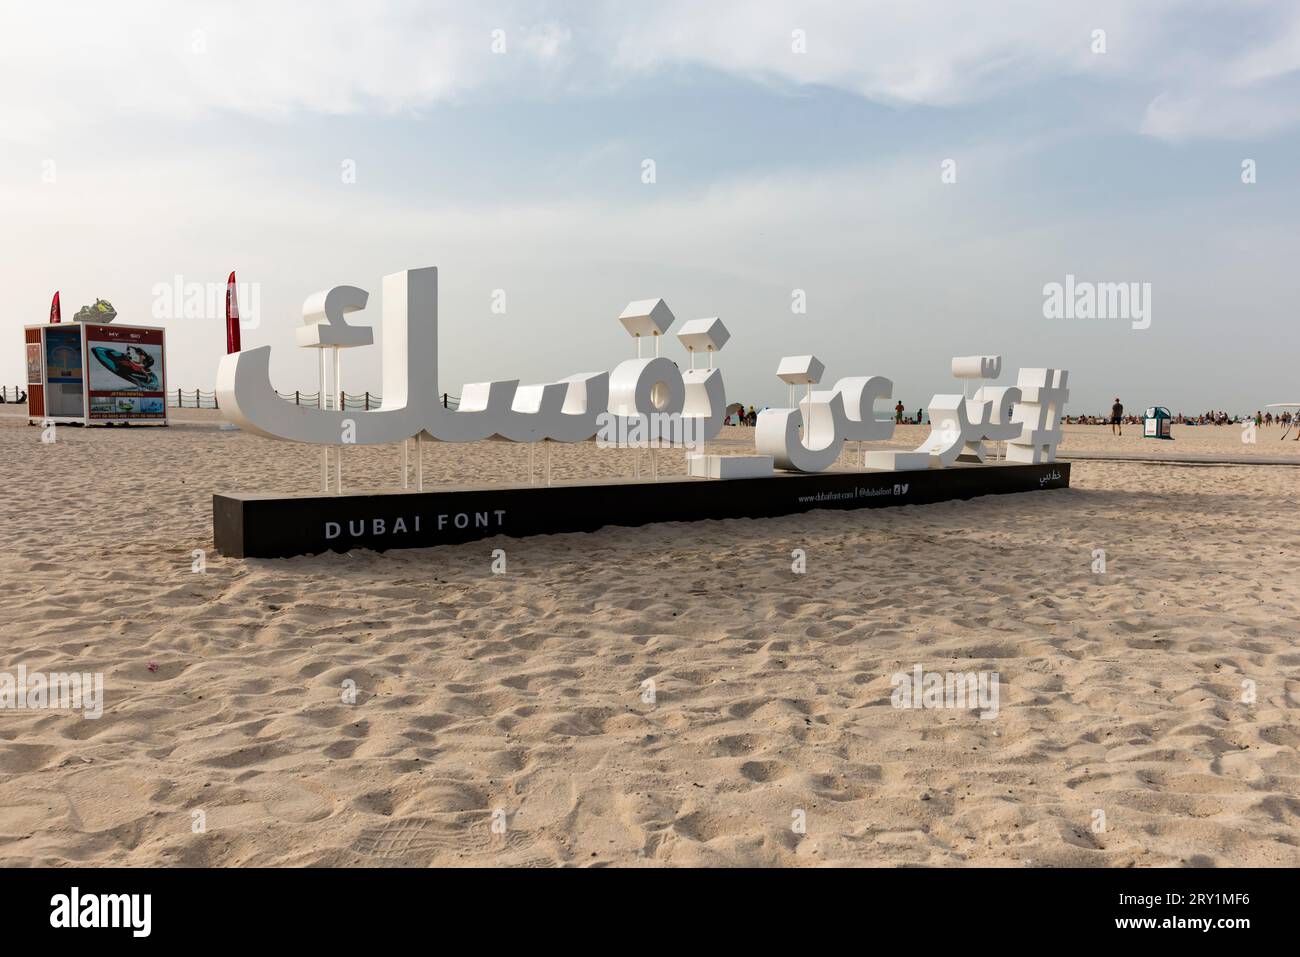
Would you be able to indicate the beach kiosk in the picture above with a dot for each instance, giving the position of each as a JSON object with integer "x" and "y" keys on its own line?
{"x": 1155, "y": 423}
{"x": 92, "y": 371}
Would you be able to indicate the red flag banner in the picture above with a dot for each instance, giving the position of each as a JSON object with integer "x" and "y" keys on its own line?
{"x": 56, "y": 312}
{"x": 232, "y": 316}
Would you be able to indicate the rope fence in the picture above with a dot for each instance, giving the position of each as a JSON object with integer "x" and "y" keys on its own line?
{"x": 365, "y": 401}
{"x": 199, "y": 399}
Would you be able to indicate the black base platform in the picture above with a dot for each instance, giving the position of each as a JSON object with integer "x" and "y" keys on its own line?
{"x": 277, "y": 525}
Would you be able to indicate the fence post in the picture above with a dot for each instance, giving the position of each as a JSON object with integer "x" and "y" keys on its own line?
{"x": 444, "y": 400}
{"x": 367, "y": 400}
{"x": 295, "y": 397}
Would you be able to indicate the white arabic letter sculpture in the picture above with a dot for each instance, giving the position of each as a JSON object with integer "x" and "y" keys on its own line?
{"x": 976, "y": 367}
{"x": 824, "y": 422}
{"x": 1039, "y": 413}
{"x": 645, "y": 395}
{"x": 565, "y": 411}
{"x": 950, "y": 430}
{"x": 959, "y": 425}
{"x": 706, "y": 397}
{"x": 860, "y": 394}
{"x": 324, "y": 322}
{"x": 990, "y": 415}
{"x": 832, "y": 417}
{"x": 410, "y": 378}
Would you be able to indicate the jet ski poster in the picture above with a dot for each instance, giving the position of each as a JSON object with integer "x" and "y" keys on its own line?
{"x": 134, "y": 367}
{"x": 127, "y": 373}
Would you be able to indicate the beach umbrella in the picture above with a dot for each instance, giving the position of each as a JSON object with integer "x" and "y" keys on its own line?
{"x": 232, "y": 316}
{"x": 735, "y": 407}
{"x": 56, "y": 312}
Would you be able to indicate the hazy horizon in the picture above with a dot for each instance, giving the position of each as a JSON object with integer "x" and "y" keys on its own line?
{"x": 796, "y": 147}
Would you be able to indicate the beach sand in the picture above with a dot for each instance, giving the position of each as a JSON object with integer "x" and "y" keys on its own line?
{"x": 520, "y": 699}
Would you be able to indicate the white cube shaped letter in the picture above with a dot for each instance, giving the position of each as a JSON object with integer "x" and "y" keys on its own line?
{"x": 647, "y": 317}
{"x": 703, "y": 335}
{"x": 800, "y": 370}
{"x": 976, "y": 367}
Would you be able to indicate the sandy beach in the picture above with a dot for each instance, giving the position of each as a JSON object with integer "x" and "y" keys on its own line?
{"x": 519, "y": 699}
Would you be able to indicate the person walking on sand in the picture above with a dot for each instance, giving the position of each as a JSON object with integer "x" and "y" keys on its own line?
{"x": 1117, "y": 418}
{"x": 898, "y": 413}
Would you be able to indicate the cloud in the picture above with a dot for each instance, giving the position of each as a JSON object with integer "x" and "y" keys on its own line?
{"x": 83, "y": 62}
{"x": 932, "y": 53}
{"x": 1251, "y": 89}
{"x": 1229, "y": 115}
{"x": 70, "y": 65}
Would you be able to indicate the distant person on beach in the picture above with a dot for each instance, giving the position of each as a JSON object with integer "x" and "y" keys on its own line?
{"x": 919, "y": 419}
{"x": 898, "y": 413}
{"x": 1117, "y": 418}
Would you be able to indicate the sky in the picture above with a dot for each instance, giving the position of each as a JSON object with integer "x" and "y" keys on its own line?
{"x": 914, "y": 174}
